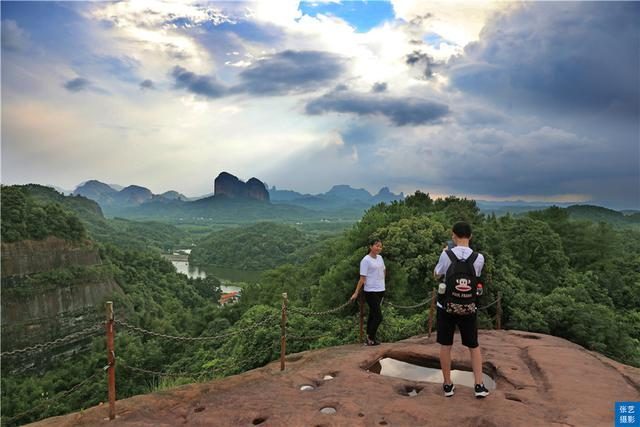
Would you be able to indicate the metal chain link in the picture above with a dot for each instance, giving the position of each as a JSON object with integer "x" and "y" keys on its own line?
{"x": 54, "y": 398}
{"x": 183, "y": 338}
{"x": 160, "y": 374}
{"x": 489, "y": 305}
{"x": 309, "y": 338}
{"x": 326, "y": 334}
{"x": 427, "y": 301}
{"x": 319, "y": 313}
{"x": 45, "y": 346}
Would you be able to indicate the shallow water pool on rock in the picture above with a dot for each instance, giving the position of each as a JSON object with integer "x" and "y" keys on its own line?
{"x": 398, "y": 369}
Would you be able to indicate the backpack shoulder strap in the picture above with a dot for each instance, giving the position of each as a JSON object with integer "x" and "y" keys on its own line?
{"x": 473, "y": 257}
{"x": 452, "y": 256}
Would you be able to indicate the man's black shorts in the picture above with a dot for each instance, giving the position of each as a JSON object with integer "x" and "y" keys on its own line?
{"x": 468, "y": 326}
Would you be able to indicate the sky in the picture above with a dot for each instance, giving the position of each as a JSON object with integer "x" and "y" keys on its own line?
{"x": 534, "y": 101}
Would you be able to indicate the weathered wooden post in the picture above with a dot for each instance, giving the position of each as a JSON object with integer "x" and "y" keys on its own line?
{"x": 361, "y": 304}
{"x": 283, "y": 331}
{"x": 432, "y": 308}
{"x": 499, "y": 312}
{"x": 111, "y": 359}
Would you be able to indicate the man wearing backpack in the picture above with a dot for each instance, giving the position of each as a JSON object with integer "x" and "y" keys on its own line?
{"x": 457, "y": 305}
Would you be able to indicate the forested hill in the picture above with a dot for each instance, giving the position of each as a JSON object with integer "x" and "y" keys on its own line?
{"x": 27, "y": 209}
{"x": 600, "y": 214}
{"x": 255, "y": 247}
{"x": 53, "y": 302}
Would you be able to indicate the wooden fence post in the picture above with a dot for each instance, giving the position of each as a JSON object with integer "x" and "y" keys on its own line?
{"x": 361, "y": 304}
{"x": 432, "y": 308}
{"x": 111, "y": 359}
{"x": 499, "y": 312}
{"x": 283, "y": 331}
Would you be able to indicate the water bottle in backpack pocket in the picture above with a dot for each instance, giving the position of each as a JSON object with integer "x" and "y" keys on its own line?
{"x": 460, "y": 295}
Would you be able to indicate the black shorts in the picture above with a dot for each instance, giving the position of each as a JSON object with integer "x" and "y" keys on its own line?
{"x": 468, "y": 326}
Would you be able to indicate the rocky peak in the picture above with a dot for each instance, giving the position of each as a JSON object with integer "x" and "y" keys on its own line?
{"x": 348, "y": 192}
{"x": 94, "y": 189}
{"x": 134, "y": 195}
{"x": 227, "y": 185}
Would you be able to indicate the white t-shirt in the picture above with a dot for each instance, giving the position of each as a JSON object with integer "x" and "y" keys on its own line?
{"x": 461, "y": 252}
{"x": 373, "y": 270}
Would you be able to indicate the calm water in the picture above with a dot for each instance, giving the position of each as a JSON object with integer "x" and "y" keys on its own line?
{"x": 398, "y": 369}
{"x": 225, "y": 275}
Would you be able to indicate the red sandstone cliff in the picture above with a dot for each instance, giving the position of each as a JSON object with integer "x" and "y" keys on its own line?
{"x": 540, "y": 381}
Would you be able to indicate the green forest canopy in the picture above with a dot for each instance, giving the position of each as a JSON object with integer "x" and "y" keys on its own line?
{"x": 255, "y": 247}
{"x": 575, "y": 279}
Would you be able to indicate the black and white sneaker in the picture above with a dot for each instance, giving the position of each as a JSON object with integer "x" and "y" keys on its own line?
{"x": 370, "y": 342}
{"x": 449, "y": 389}
{"x": 481, "y": 391}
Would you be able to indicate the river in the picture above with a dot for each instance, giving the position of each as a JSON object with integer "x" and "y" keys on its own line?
{"x": 225, "y": 275}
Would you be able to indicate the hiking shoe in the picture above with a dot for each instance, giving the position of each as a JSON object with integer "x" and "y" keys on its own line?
{"x": 368, "y": 342}
{"x": 481, "y": 391}
{"x": 448, "y": 389}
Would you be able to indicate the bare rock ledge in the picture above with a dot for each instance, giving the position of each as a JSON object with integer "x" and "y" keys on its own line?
{"x": 540, "y": 381}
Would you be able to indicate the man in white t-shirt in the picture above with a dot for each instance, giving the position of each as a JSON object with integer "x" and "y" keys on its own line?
{"x": 372, "y": 276}
{"x": 467, "y": 324}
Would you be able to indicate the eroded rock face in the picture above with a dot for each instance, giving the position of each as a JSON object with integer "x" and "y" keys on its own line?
{"x": 230, "y": 186}
{"x": 257, "y": 190}
{"x": 540, "y": 381}
{"x": 38, "y": 309}
{"x": 37, "y": 256}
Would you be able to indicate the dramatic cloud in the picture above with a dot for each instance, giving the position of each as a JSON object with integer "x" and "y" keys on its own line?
{"x": 291, "y": 71}
{"x": 77, "y": 85}
{"x": 147, "y": 84}
{"x": 379, "y": 87}
{"x": 531, "y": 100}
{"x": 401, "y": 111}
{"x": 423, "y": 62}
{"x": 14, "y": 38}
{"x": 505, "y": 164}
{"x": 200, "y": 85}
{"x": 571, "y": 56}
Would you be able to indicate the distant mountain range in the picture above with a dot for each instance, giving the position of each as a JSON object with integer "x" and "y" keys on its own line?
{"x": 338, "y": 197}
{"x": 233, "y": 199}
{"x": 133, "y": 195}
{"x": 137, "y": 201}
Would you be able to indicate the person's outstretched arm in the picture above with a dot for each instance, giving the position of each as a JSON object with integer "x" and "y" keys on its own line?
{"x": 358, "y": 287}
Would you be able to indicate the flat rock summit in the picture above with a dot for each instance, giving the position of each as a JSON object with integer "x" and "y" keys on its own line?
{"x": 540, "y": 381}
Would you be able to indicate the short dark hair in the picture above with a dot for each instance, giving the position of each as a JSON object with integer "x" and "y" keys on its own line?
{"x": 462, "y": 230}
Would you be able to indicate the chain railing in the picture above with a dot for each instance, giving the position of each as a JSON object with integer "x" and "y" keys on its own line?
{"x": 111, "y": 322}
{"x": 409, "y": 307}
{"x": 76, "y": 336}
{"x": 123, "y": 364}
{"x": 200, "y": 338}
{"x": 319, "y": 313}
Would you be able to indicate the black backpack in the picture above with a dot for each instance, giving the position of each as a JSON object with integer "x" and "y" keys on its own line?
{"x": 462, "y": 285}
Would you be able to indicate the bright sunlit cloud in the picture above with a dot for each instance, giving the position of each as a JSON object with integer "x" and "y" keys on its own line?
{"x": 494, "y": 100}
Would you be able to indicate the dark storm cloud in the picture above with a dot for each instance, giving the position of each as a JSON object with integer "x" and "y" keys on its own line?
{"x": 401, "y": 111}
{"x": 206, "y": 86}
{"x": 379, "y": 87}
{"x": 422, "y": 62}
{"x": 77, "y": 85}
{"x": 147, "y": 84}
{"x": 561, "y": 56}
{"x": 290, "y": 72}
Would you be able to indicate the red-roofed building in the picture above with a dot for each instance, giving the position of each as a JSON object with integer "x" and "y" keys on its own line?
{"x": 229, "y": 297}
